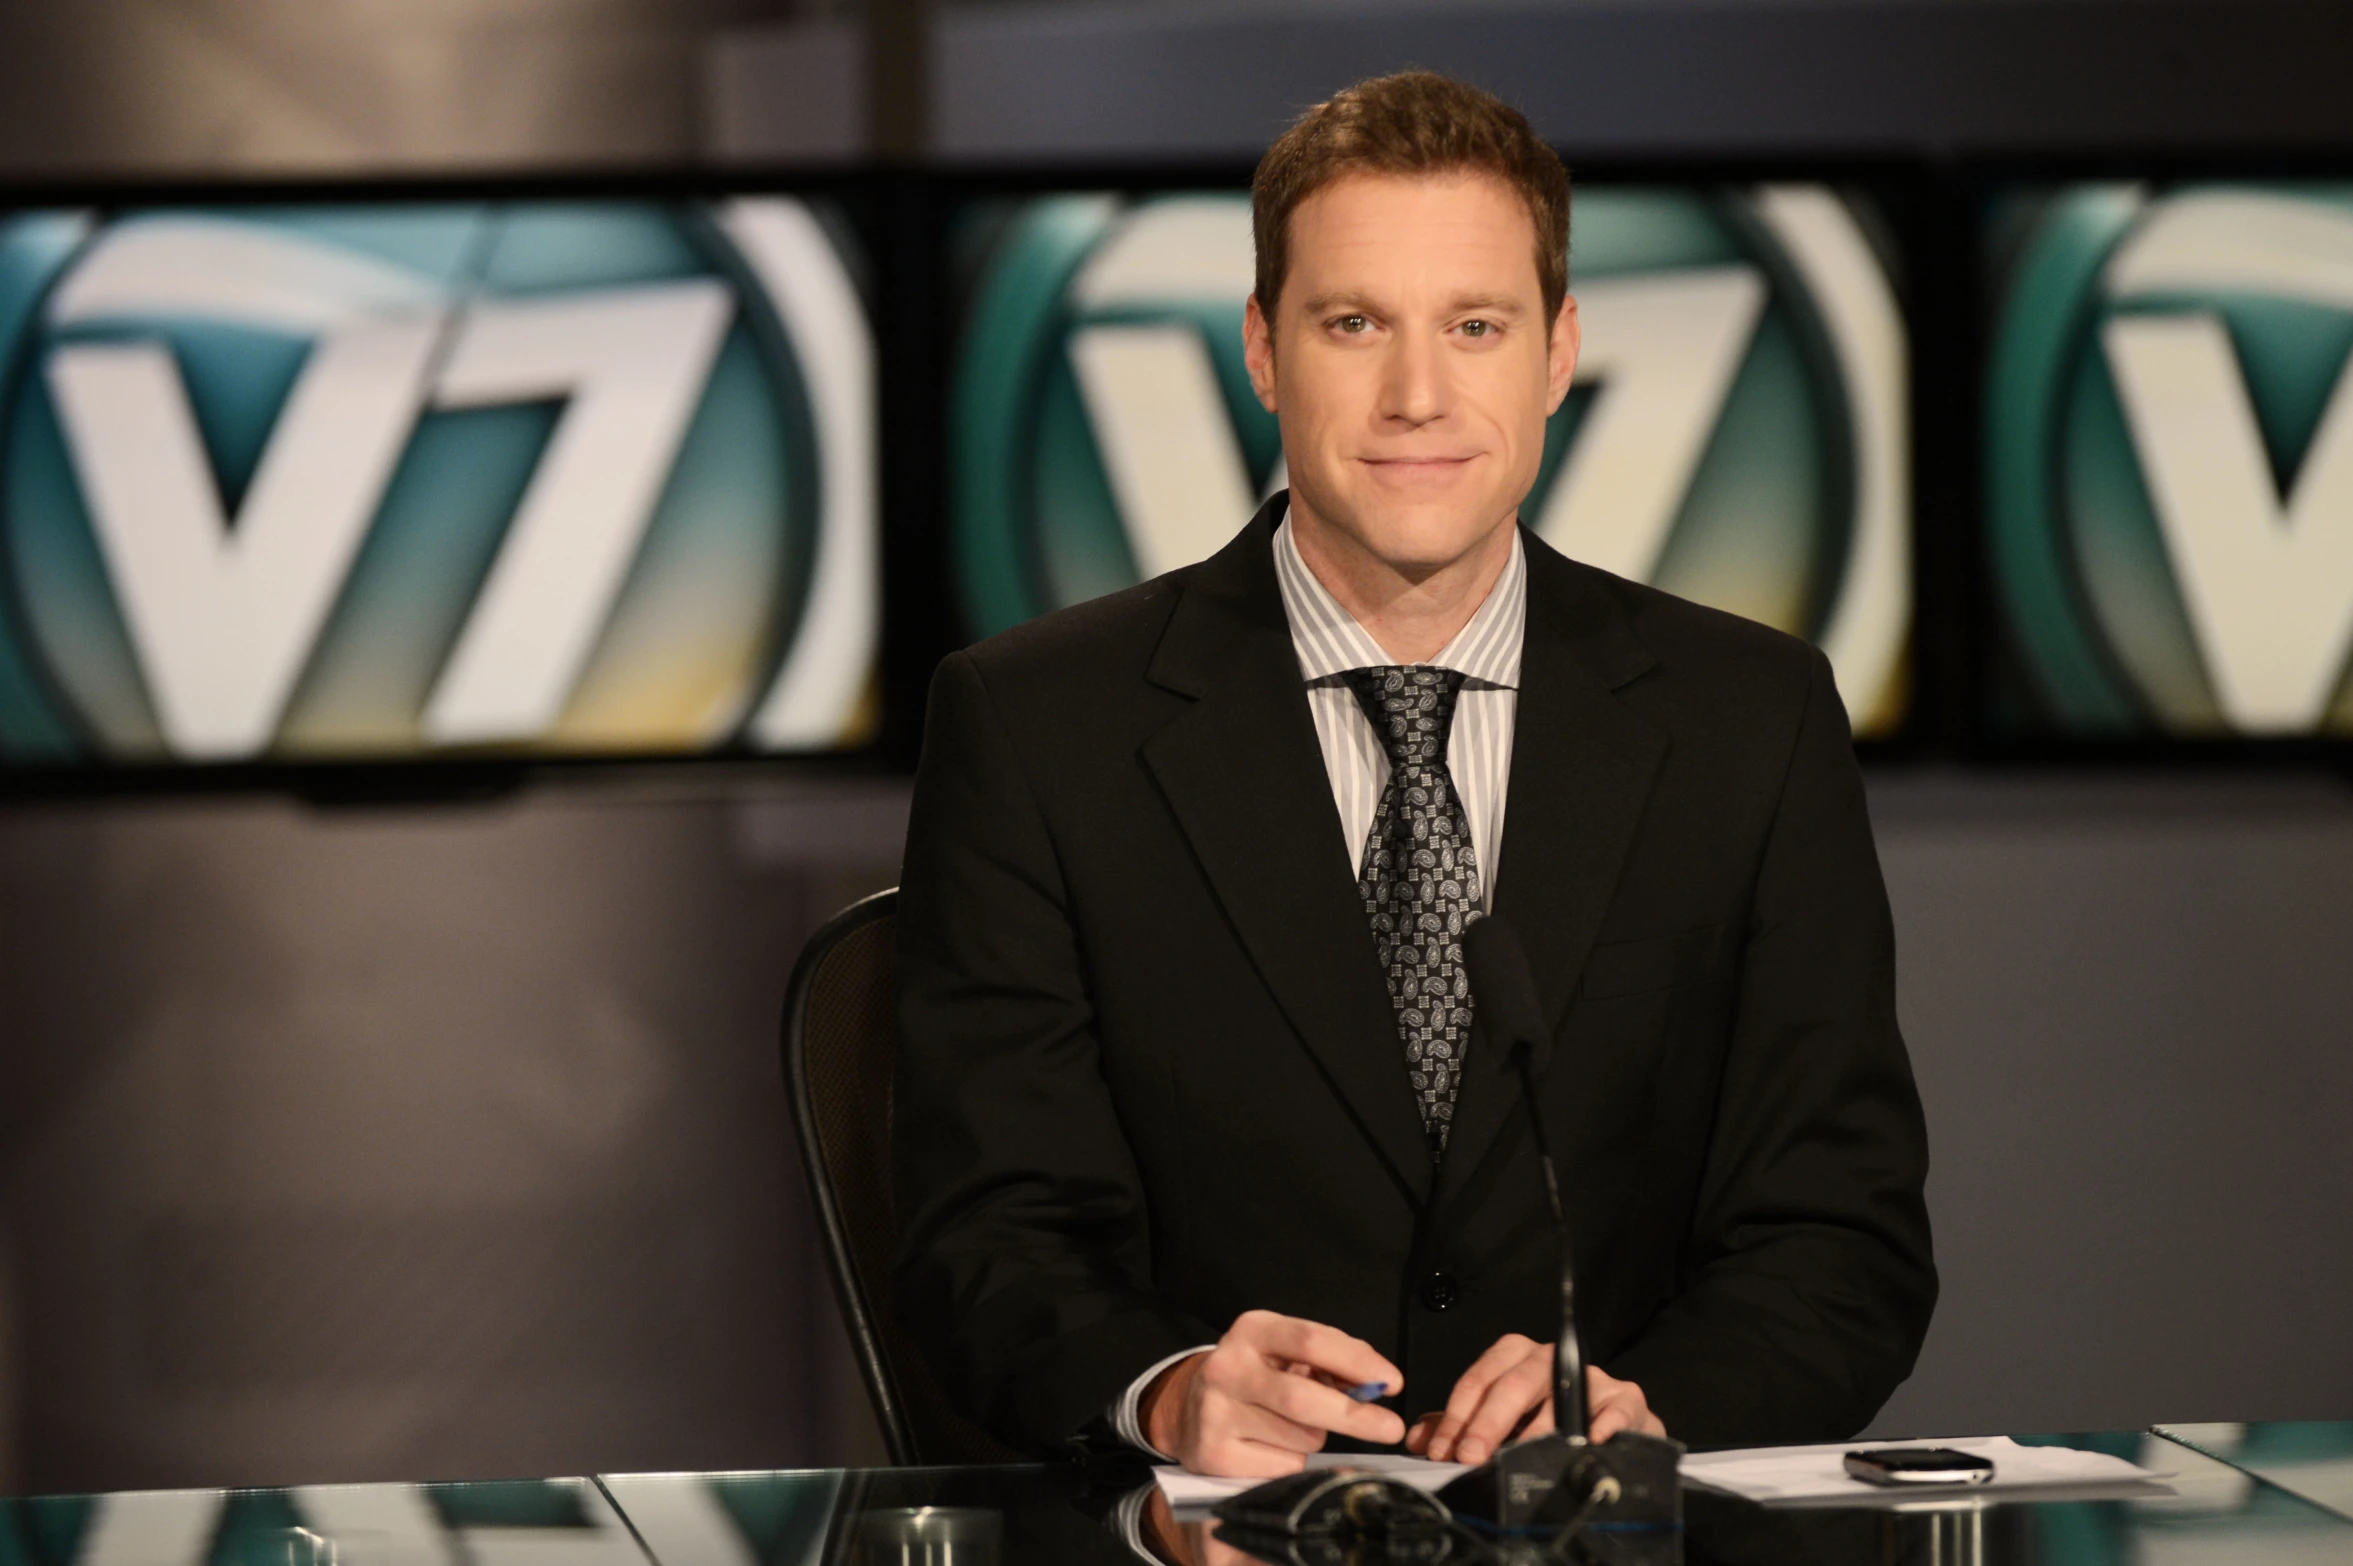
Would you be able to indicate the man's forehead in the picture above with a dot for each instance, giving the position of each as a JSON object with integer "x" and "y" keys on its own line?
{"x": 1462, "y": 230}
{"x": 1361, "y": 193}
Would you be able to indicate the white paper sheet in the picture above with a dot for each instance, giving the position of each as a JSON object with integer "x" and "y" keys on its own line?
{"x": 1768, "y": 1473}
{"x": 1190, "y": 1489}
{"x": 1818, "y": 1473}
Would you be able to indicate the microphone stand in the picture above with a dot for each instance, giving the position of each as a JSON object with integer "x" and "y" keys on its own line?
{"x": 1568, "y": 1359}
{"x": 1619, "y": 1501}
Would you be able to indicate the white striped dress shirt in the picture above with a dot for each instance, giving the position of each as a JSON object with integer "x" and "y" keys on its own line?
{"x": 1478, "y": 751}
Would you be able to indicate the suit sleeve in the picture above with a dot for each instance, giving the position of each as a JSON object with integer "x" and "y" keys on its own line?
{"x": 1807, "y": 1278}
{"x": 1025, "y": 1245}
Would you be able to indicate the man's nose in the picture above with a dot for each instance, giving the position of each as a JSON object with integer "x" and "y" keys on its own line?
{"x": 1414, "y": 389}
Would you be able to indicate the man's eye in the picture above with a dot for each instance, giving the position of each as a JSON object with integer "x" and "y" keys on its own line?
{"x": 1353, "y": 324}
{"x": 1476, "y": 328}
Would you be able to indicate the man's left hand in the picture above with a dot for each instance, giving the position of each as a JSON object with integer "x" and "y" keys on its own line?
{"x": 1507, "y": 1394}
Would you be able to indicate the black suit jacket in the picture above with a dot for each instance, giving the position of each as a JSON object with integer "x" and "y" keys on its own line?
{"x": 1150, "y": 1076}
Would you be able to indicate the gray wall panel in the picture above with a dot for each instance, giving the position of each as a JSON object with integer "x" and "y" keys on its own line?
{"x": 2127, "y": 1000}
{"x": 405, "y": 1143}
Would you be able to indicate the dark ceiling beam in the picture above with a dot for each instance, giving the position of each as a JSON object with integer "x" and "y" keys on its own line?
{"x": 1708, "y": 75}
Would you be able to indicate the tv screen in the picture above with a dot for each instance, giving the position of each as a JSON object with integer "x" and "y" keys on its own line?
{"x": 2168, "y": 428}
{"x": 375, "y": 480}
{"x": 1738, "y": 430}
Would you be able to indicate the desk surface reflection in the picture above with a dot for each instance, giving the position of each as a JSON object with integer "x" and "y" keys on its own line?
{"x": 2259, "y": 1494}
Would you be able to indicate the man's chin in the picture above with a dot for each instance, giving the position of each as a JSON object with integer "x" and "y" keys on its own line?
{"x": 1419, "y": 535}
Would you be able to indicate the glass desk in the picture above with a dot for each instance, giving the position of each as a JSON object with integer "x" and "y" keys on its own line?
{"x": 2314, "y": 1461}
{"x": 2272, "y": 1495}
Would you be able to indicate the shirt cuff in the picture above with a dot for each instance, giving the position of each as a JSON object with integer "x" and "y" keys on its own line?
{"x": 1125, "y": 1416}
{"x": 1127, "y": 1520}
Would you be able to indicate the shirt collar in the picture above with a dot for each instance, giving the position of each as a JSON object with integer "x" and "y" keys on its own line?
{"x": 1330, "y": 642}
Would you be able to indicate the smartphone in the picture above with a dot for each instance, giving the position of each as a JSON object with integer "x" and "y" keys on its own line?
{"x": 1918, "y": 1465}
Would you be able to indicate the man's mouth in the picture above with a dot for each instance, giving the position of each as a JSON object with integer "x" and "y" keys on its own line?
{"x": 1411, "y": 466}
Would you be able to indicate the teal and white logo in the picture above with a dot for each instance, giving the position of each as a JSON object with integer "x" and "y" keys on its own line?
{"x": 2170, "y": 457}
{"x": 1736, "y": 434}
{"x": 395, "y": 480}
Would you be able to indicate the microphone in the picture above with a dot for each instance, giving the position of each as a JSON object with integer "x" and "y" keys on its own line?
{"x": 1510, "y": 1018}
{"x": 1562, "y": 1482}
{"x": 1505, "y": 990}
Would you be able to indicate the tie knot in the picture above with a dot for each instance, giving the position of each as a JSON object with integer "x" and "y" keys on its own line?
{"x": 1411, "y": 707}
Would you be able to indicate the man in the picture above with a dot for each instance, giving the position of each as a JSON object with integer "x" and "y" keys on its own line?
{"x": 1195, "y": 1129}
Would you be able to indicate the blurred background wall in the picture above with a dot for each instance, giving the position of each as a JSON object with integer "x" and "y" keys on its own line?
{"x": 445, "y": 1139}
{"x": 233, "y": 86}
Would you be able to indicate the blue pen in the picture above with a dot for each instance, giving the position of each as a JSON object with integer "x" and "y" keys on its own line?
{"x": 1366, "y": 1392}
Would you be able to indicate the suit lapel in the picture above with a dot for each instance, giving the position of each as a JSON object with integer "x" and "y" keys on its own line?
{"x": 1245, "y": 778}
{"x": 1581, "y": 770}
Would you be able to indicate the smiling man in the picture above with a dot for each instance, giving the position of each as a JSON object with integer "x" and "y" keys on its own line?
{"x": 1197, "y": 1136}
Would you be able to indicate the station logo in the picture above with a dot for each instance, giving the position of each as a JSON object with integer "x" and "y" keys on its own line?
{"x": 394, "y": 480}
{"x": 1737, "y": 433}
{"x": 2170, "y": 456}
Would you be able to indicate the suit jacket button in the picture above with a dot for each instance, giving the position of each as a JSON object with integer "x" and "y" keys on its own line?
{"x": 1439, "y": 1290}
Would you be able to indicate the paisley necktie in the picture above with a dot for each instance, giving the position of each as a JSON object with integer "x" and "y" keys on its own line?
{"x": 1420, "y": 880}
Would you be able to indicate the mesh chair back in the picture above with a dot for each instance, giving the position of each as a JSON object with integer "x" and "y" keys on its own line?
{"x": 840, "y": 1055}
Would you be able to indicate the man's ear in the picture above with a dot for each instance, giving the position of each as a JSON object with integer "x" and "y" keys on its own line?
{"x": 1562, "y": 357}
{"x": 1258, "y": 352}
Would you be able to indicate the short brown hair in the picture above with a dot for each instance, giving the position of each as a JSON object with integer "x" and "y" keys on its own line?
{"x": 1416, "y": 122}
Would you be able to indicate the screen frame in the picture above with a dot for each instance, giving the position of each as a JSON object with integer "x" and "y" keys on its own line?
{"x": 867, "y": 209}
{"x": 1903, "y": 191}
{"x": 1994, "y": 669}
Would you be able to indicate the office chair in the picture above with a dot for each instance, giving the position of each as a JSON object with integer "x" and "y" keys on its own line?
{"x": 840, "y": 1051}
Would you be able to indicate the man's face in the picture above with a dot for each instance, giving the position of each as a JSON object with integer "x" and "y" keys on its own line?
{"x": 1410, "y": 363}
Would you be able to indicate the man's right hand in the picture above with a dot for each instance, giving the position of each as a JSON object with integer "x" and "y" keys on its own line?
{"x": 1254, "y": 1406}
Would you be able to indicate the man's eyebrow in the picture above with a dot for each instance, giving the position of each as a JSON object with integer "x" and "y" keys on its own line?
{"x": 1488, "y": 304}
{"x": 1463, "y": 304}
